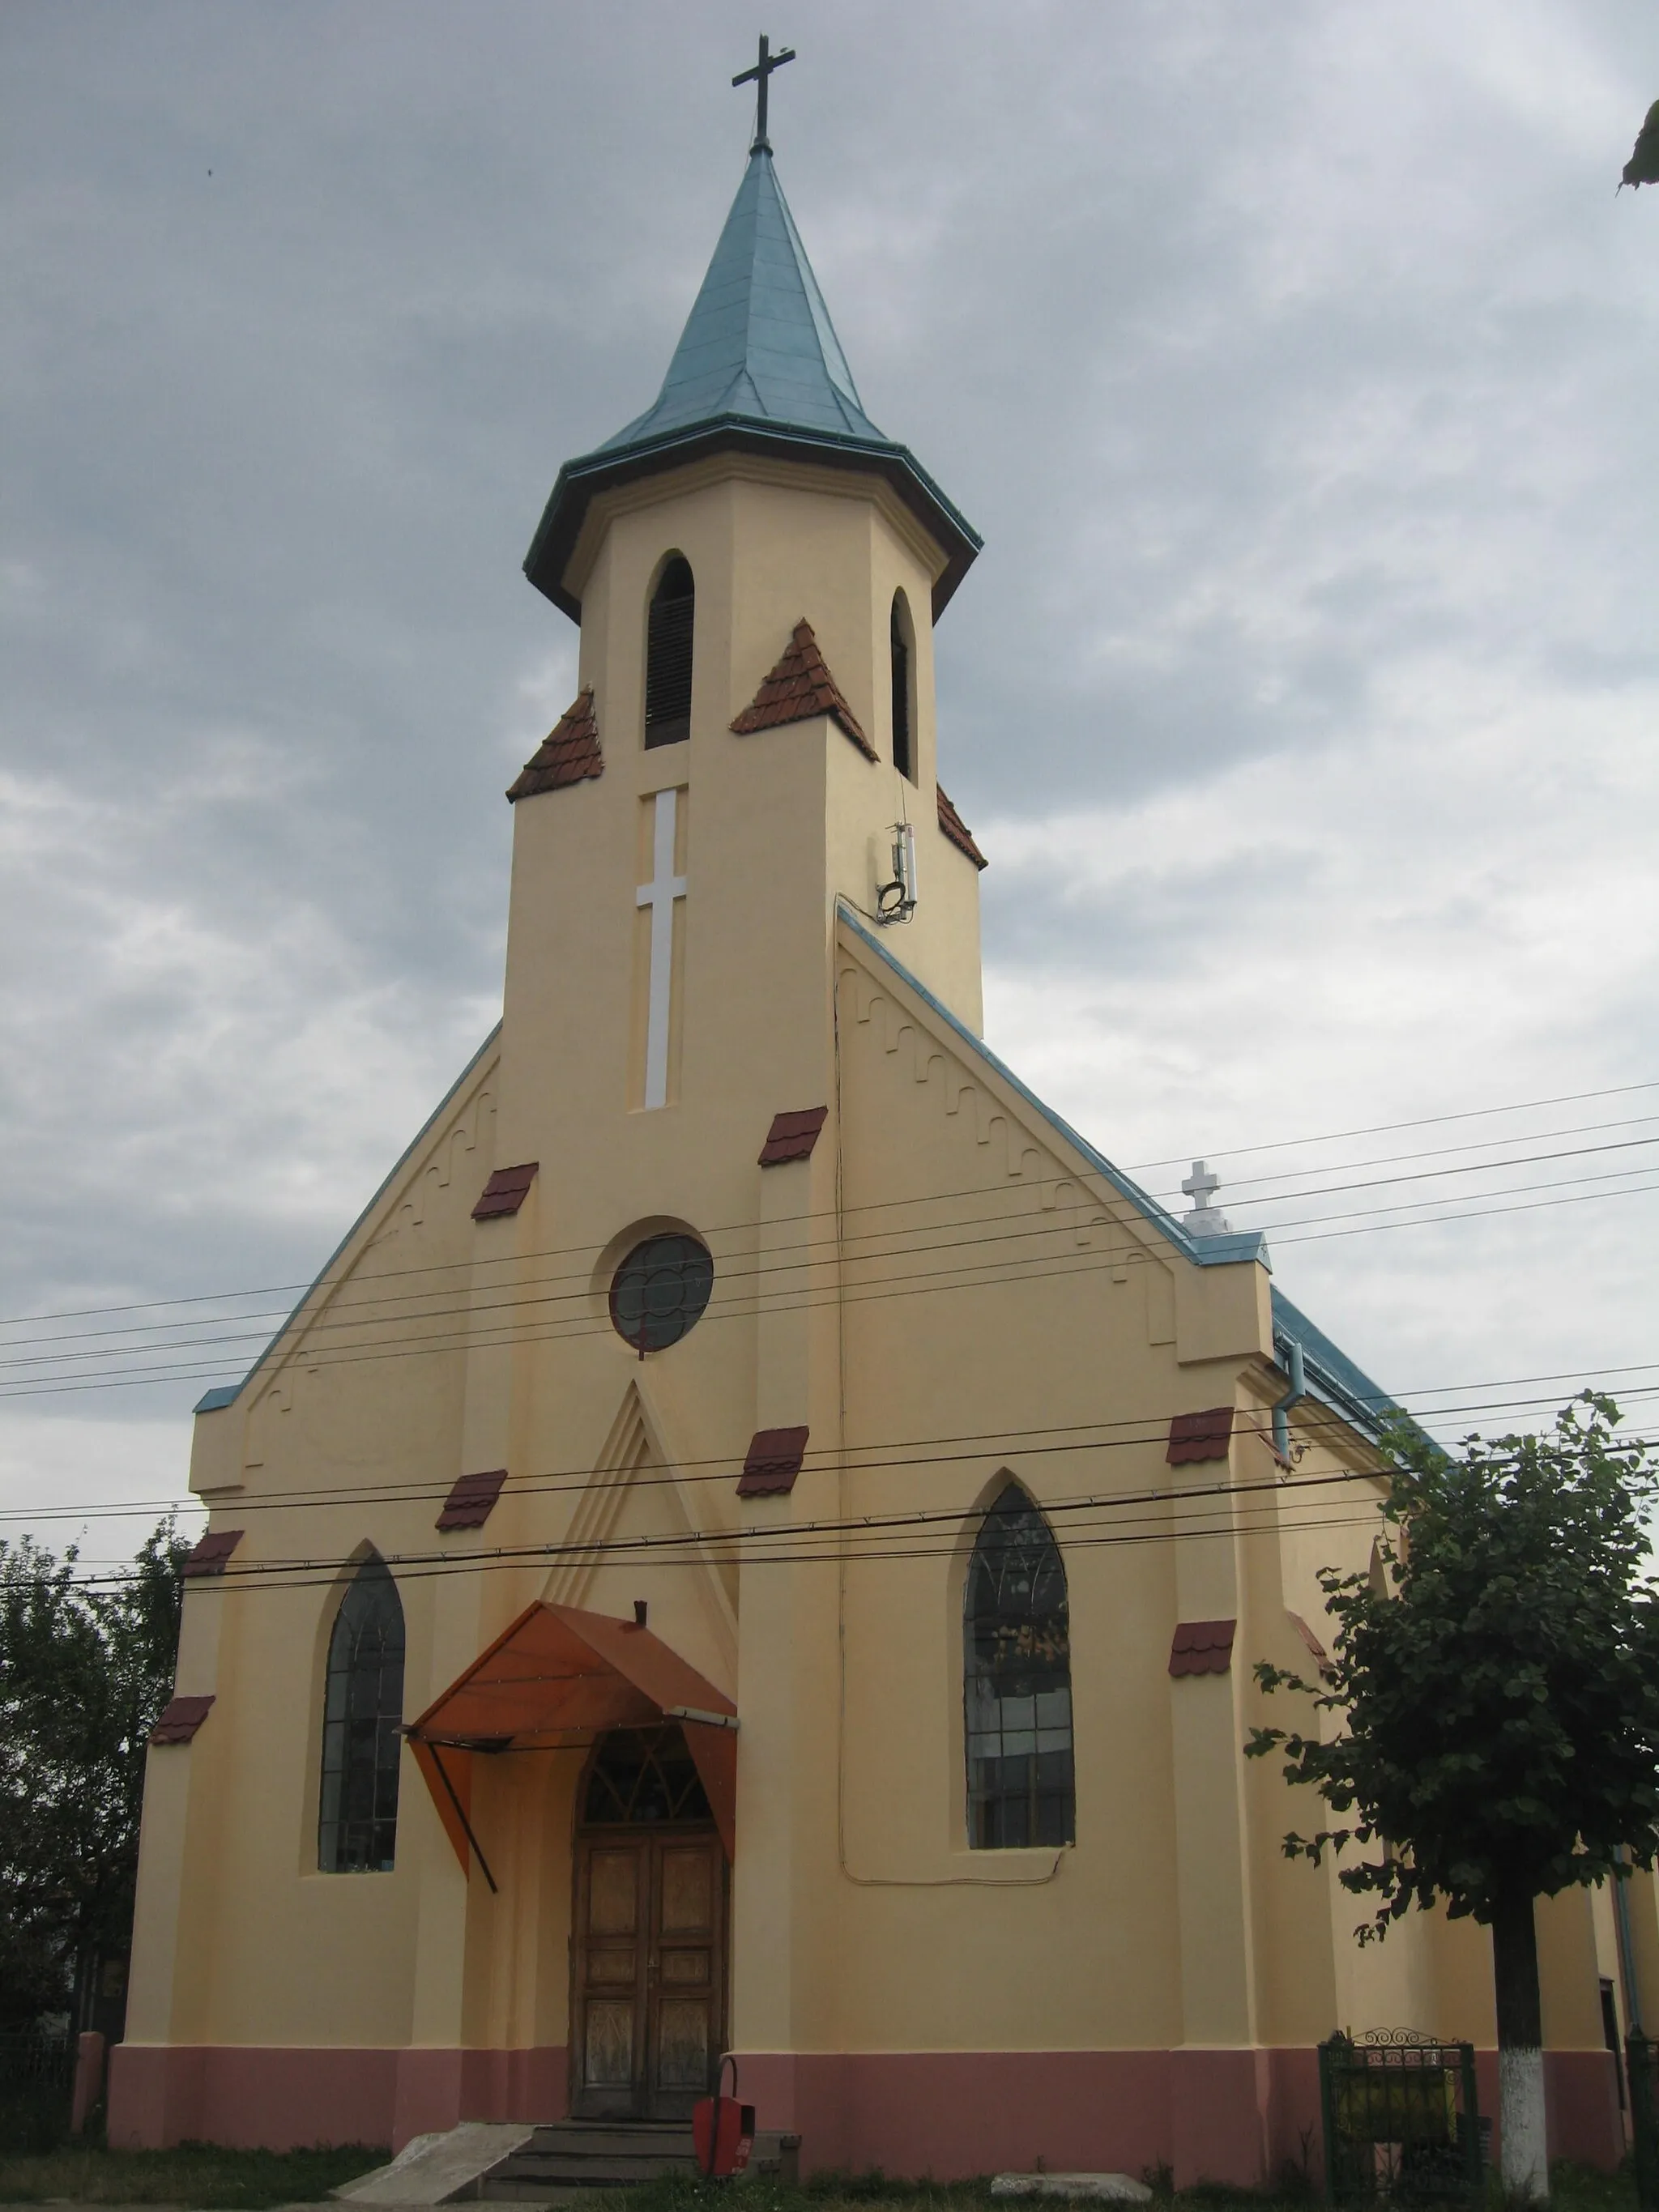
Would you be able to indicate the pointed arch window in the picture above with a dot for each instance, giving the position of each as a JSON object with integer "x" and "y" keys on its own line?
{"x": 668, "y": 655}
{"x": 362, "y": 1728}
{"x": 1018, "y": 1682}
{"x": 902, "y": 655}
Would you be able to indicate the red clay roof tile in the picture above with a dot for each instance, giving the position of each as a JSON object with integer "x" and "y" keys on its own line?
{"x": 792, "y": 1135}
{"x": 1321, "y": 1657}
{"x": 1200, "y": 1436}
{"x": 568, "y": 754}
{"x": 180, "y": 1721}
{"x": 505, "y": 1191}
{"x": 957, "y": 830}
{"x": 799, "y": 687}
{"x": 1202, "y": 1647}
{"x": 774, "y": 1462}
{"x": 472, "y": 1500}
{"x": 211, "y": 1551}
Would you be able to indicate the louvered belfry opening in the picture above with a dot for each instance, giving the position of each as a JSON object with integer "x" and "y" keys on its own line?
{"x": 668, "y": 656}
{"x": 904, "y": 751}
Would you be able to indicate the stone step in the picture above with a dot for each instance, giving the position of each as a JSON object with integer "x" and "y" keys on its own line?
{"x": 572, "y": 2154}
{"x": 598, "y": 2138}
{"x": 574, "y": 2169}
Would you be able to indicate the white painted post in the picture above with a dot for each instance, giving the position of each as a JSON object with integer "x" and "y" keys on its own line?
{"x": 1525, "y": 2162}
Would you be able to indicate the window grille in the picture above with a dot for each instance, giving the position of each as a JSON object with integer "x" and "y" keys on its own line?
{"x": 904, "y": 757}
{"x": 640, "y": 1775}
{"x": 659, "y": 1292}
{"x": 1017, "y": 1681}
{"x": 363, "y": 1732}
{"x": 668, "y": 656}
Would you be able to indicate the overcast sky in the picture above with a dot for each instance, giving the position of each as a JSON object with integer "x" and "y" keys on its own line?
{"x": 1298, "y": 363}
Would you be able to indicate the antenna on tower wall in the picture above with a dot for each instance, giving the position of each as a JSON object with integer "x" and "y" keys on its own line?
{"x": 896, "y": 900}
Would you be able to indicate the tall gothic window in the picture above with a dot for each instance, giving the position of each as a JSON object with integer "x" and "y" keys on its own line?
{"x": 1017, "y": 1681}
{"x": 668, "y": 655}
{"x": 904, "y": 743}
{"x": 362, "y": 1734}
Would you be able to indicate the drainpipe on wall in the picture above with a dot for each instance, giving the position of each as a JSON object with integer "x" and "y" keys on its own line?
{"x": 1626, "y": 1950}
{"x": 1297, "y": 1391}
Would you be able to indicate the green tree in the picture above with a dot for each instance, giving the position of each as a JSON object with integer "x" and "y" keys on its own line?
{"x": 85, "y": 1669}
{"x": 1497, "y": 1697}
{"x": 1643, "y": 166}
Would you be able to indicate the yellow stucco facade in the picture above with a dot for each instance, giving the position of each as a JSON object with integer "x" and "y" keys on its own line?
{"x": 948, "y": 1291}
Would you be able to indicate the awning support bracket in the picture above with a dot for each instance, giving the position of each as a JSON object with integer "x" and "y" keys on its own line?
{"x": 461, "y": 1814}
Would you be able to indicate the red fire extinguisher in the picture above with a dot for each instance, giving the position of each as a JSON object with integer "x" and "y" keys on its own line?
{"x": 722, "y": 2129}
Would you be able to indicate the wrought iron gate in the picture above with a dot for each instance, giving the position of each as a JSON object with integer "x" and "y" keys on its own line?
{"x": 37, "y": 2076}
{"x": 1400, "y": 2119}
{"x": 1642, "y": 2072}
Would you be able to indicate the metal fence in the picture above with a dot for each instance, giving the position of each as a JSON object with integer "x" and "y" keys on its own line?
{"x": 1400, "y": 2119}
{"x": 37, "y": 2083}
{"x": 1642, "y": 2072}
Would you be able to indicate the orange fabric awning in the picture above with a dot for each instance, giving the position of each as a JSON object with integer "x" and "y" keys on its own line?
{"x": 556, "y": 1676}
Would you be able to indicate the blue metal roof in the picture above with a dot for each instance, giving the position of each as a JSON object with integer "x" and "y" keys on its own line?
{"x": 1331, "y": 1374}
{"x": 758, "y": 343}
{"x": 1204, "y": 1251}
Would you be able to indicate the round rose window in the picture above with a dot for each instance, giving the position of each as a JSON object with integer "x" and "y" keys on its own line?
{"x": 660, "y": 1291}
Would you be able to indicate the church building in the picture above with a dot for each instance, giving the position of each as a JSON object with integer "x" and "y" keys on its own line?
{"x": 758, "y": 1539}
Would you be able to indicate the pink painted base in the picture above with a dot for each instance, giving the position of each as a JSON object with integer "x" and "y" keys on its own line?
{"x": 1229, "y": 2116}
{"x": 286, "y": 2099}
{"x": 1209, "y": 2115}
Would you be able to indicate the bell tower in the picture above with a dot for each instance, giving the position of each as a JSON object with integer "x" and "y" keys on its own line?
{"x": 756, "y": 570}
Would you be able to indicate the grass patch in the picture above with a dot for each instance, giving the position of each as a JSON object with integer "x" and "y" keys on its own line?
{"x": 1583, "y": 2188}
{"x": 1573, "y": 2189}
{"x": 194, "y": 2174}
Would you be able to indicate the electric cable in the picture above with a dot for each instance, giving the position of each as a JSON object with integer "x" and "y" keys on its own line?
{"x": 17, "y": 1352}
{"x": 575, "y": 1325}
{"x": 898, "y": 1456}
{"x": 1236, "y": 1151}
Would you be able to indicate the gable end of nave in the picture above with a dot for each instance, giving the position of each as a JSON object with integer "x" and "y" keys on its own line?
{"x": 421, "y": 1216}
{"x": 1011, "y": 1157}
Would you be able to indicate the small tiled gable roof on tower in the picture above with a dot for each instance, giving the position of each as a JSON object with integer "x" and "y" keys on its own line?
{"x": 569, "y": 753}
{"x": 211, "y": 1553}
{"x": 799, "y": 687}
{"x": 957, "y": 830}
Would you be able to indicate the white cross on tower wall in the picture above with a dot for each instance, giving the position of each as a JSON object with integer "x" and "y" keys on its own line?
{"x": 660, "y": 894}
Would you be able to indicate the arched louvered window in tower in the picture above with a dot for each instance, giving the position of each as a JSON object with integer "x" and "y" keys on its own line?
{"x": 668, "y": 655}
{"x": 1018, "y": 1682}
{"x": 362, "y": 1731}
{"x": 904, "y": 658}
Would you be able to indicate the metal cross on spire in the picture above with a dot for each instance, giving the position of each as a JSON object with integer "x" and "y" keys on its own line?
{"x": 758, "y": 76}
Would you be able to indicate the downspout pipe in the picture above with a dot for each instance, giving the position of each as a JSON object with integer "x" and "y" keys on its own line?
{"x": 1626, "y": 1948}
{"x": 1297, "y": 1391}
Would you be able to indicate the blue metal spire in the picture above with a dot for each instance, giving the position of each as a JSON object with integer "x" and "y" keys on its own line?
{"x": 759, "y": 369}
{"x": 758, "y": 343}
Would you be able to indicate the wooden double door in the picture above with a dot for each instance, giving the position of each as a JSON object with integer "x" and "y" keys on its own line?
{"x": 647, "y": 1971}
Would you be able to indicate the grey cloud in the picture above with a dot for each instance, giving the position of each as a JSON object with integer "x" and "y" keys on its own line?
{"x": 1299, "y": 372}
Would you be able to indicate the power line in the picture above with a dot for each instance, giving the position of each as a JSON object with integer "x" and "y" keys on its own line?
{"x": 899, "y": 1457}
{"x": 270, "y": 1290}
{"x": 1426, "y": 1121}
{"x": 972, "y": 1275}
{"x": 20, "y": 1353}
{"x": 755, "y": 1537}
